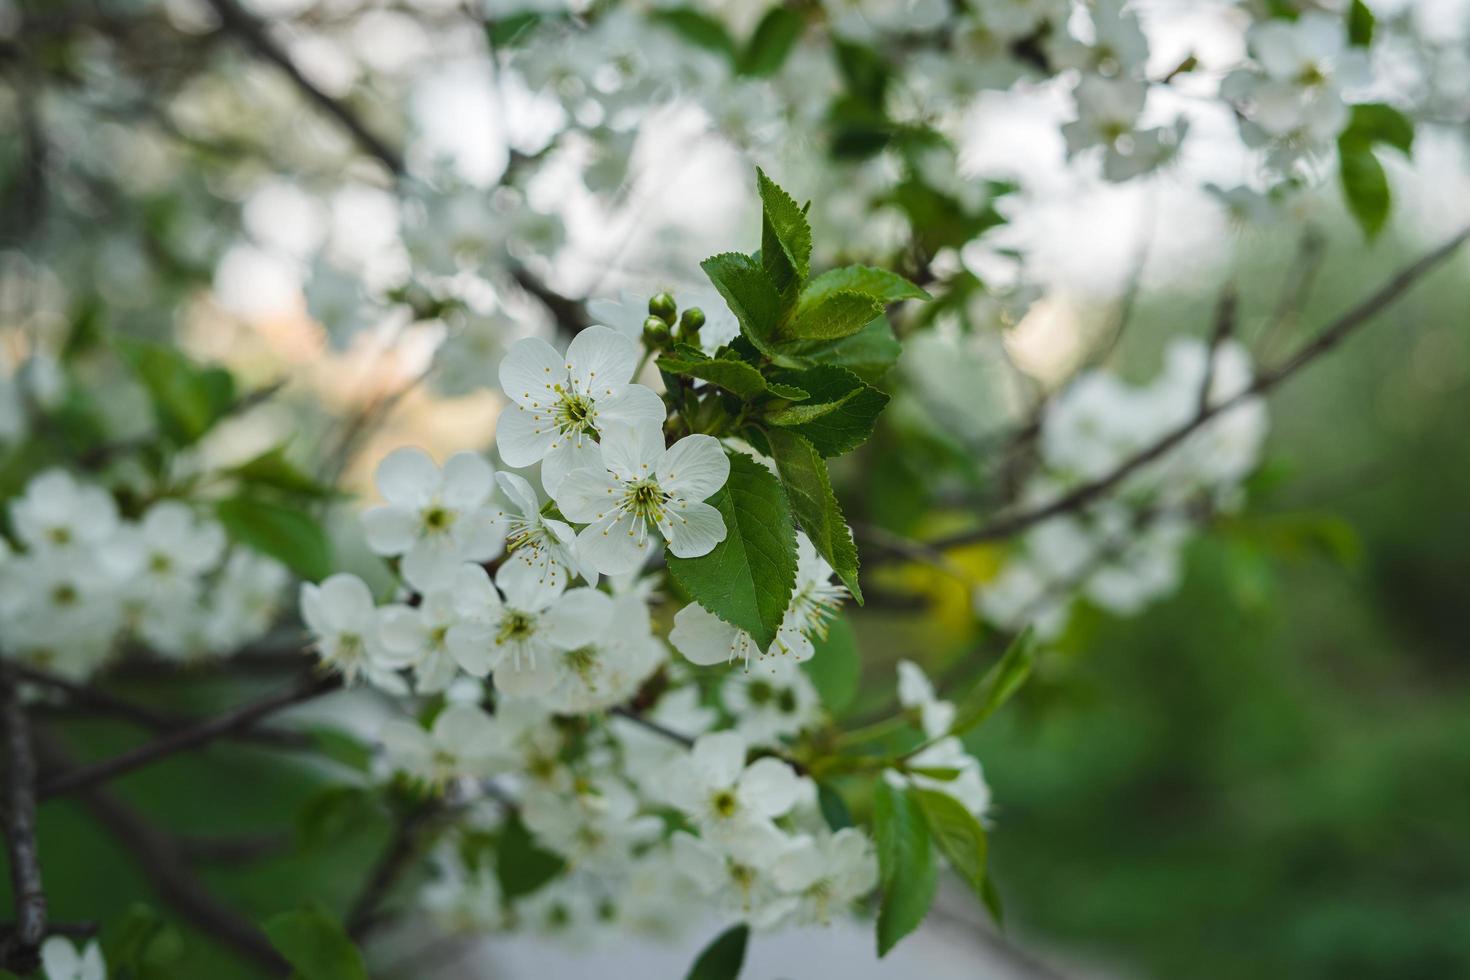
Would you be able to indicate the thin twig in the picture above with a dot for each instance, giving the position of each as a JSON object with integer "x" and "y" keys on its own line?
{"x": 21, "y": 950}
{"x": 1225, "y": 314}
{"x": 226, "y": 724}
{"x": 653, "y": 726}
{"x": 397, "y": 857}
{"x": 1009, "y": 525}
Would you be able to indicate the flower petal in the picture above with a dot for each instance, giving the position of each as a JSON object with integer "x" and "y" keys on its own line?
{"x": 472, "y": 645}
{"x": 577, "y": 618}
{"x": 568, "y": 455}
{"x": 408, "y": 477}
{"x": 694, "y": 467}
{"x": 630, "y": 404}
{"x": 519, "y": 492}
{"x": 585, "y": 496}
{"x": 770, "y": 786}
{"x": 530, "y": 373}
{"x": 599, "y": 358}
{"x": 613, "y": 545}
{"x": 702, "y": 637}
{"x": 469, "y": 479}
{"x": 694, "y": 529}
{"x": 390, "y": 530}
{"x": 719, "y": 757}
{"x": 523, "y": 435}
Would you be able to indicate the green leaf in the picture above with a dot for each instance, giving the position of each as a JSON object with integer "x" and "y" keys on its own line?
{"x": 698, "y": 28}
{"x": 142, "y": 944}
{"x": 879, "y": 284}
{"x": 187, "y": 398}
{"x": 834, "y": 807}
{"x": 786, "y": 238}
{"x": 869, "y": 353}
{"x": 1375, "y": 122}
{"x": 335, "y": 812}
{"x": 749, "y": 293}
{"x": 286, "y": 534}
{"x": 834, "y": 668}
{"x": 723, "y": 957}
{"x": 831, "y": 316}
{"x": 852, "y": 407}
{"x": 991, "y": 899}
{"x": 906, "y": 866}
{"x": 1364, "y": 184}
{"x": 511, "y": 30}
{"x": 1360, "y": 24}
{"x": 866, "y": 72}
{"x": 770, "y": 43}
{"x": 748, "y": 578}
{"x": 804, "y": 475}
{"x": 341, "y": 747}
{"x": 959, "y": 835}
{"x": 998, "y": 684}
{"x": 521, "y": 865}
{"x": 733, "y": 375}
{"x": 273, "y": 469}
{"x": 316, "y": 945}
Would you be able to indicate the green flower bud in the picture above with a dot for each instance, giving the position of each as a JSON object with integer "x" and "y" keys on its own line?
{"x": 662, "y": 305}
{"x": 692, "y": 320}
{"x": 655, "y": 332}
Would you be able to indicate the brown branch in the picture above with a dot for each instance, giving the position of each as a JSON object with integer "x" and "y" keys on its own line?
{"x": 653, "y": 726}
{"x": 223, "y": 725}
{"x": 570, "y": 314}
{"x": 1009, "y": 525}
{"x": 21, "y": 950}
{"x": 254, "y": 35}
{"x": 397, "y": 857}
{"x": 161, "y": 862}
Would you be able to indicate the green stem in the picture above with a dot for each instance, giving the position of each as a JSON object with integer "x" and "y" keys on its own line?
{"x": 871, "y": 733}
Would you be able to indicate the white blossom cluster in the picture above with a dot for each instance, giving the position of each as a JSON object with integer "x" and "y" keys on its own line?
{"x": 78, "y": 580}
{"x": 1125, "y": 551}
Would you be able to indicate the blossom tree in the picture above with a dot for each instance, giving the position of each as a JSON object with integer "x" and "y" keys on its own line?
{"x": 605, "y": 670}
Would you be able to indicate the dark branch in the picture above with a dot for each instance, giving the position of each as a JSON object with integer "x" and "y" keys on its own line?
{"x": 1225, "y": 313}
{"x": 22, "y": 948}
{"x": 223, "y": 725}
{"x": 1265, "y": 382}
{"x": 654, "y": 726}
{"x": 397, "y": 857}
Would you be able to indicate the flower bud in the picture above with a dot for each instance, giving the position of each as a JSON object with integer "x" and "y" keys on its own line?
{"x": 662, "y": 305}
{"x": 691, "y": 321}
{"x": 655, "y": 332}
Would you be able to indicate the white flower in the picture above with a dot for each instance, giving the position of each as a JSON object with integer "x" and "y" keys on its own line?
{"x": 963, "y": 778}
{"x": 341, "y": 615}
{"x": 521, "y": 636}
{"x": 597, "y": 826}
{"x": 827, "y": 872}
{"x": 61, "y": 961}
{"x": 771, "y": 704}
{"x": 435, "y": 519}
{"x": 705, "y": 639}
{"x": 610, "y": 668}
{"x": 724, "y": 797}
{"x": 419, "y": 636}
{"x": 166, "y": 554}
{"x": 1107, "y": 110}
{"x": 58, "y": 513}
{"x": 640, "y": 487}
{"x": 544, "y": 546}
{"x": 741, "y": 879}
{"x": 563, "y": 404}
{"x": 916, "y": 692}
{"x": 244, "y": 600}
{"x": 463, "y": 742}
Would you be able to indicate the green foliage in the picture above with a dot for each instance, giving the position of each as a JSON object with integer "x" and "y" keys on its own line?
{"x": 315, "y": 944}
{"x": 1364, "y": 183}
{"x": 832, "y": 315}
{"x": 272, "y": 469}
{"x": 833, "y": 806}
{"x": 748, "y": 578}
{"x": 834, "y": 668}
{"x": 880, "y": 284}
{"x": 959, "y": 835}
{"x": 285, "y": 533}
{"x": 907, "y": 872}
{"x": 803, "y": 473}
{"x": 335, "y": 812}
{"x": 1361, "y": 22}
{"x": 786, "y": 238}
{"x": 698, "y": 28}
{"x": 723, "y": 957}
{"x": 771, "y": 42}
{"x": 729, "y": 373}
{"x": 749, "y": 293}
{"x": 840, "y": 410}
{"x": 998, "y": 684}
{"x": 520, "y": 864}
{"x": 187, "y": 399}
{"x": 869, "y": 353}
{"x": 143, "y": 946}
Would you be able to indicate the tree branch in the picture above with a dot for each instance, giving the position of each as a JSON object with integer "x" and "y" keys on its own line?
{"x": 22, "y": 949}
{"x": 653, "y": 726}
{"x": 402, "y": 850}
{"x": 1009, "y": 525}
{"x": 226, "y": 724}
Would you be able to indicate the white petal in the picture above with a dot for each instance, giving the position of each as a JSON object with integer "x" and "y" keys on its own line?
{"x": 695, "y": 529}
{"x": 630, "y": 404}
{"x": 527, "y": 593}
{"x": 701, "y": 636}
{"x": 472, "y": 645}
{"x": 914, "y": 688}
{"x": 770, "y": 786}
{"x": 632, "y": 451}
{"x": 532, "y": 677}
{"x": 407, "y": 745}
{"x": 402, "y": 631}
{"x": 408, "y": 477}
{"x": 390, "y": 530}
{"x": 613, "y": 546}
{"x": 568, "y": 456}
{"x": 478, "y": 535}
{"x": 474, "y": 595}
{"x": 694, "y": 467}
{"x": 430, "y": 563}
{"x": 464, "y": 729}
{"x": 524, "y": 435}
{"x": 585, "y": 496}
{"x": 599, "y": 357}
{"x": 59, "y": 958}
{"x": 519, "y": 491}
{"x": 469, "y": 479}
{"x": 346, "y": 602}
{"x": 577, "y": 618}
{"x": 719, "y": 757}
{"x": 529, "y": 373}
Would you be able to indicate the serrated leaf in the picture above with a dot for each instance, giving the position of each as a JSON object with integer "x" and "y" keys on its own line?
{"x": 749, "y": 293}
{"x": 315, "y": 944}
{"x": 854, "y": 409}
{"x": 800, "y": 414}
{"x": 879, "y": 284}
{"x": 960, "y": 836}
{"x": 786, "y": 239}
{"x": 1364, "y": 184}
{"x": 1361, "y": 22}
{"x": 869, "y": 353}
{"x": 187, "y": 398}
{"x": 999, "y": 683}
{"x": 1376, "y": 122}
{"x": 698, "y": 28}
{"x": 906, "y": 866}
{"x": 771, "y": 42}
{"x": 521, "y": 865}
{"x": 735, "y": 376}
{"x": 834, "y": 667}
{"x": 723, "y": 957}
{"x": 292, "y": 537}
{"x": 804, "y": 476}
{"x": 748, "y": 578}
{"x": 831, "y": 316}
